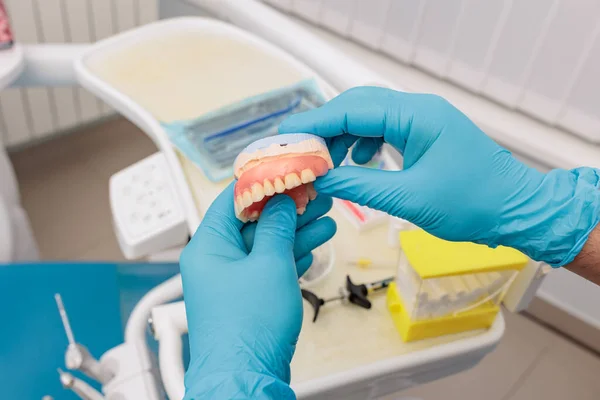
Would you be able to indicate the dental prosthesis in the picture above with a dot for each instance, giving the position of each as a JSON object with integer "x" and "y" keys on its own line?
{"x": 278, "y": 164}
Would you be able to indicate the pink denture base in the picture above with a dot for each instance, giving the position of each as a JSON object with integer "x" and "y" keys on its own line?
{"x": 279, "y": 168}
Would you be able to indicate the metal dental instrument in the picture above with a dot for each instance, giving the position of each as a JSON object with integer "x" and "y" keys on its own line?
{"x": 79, "y": 387}
{"x": 352, "y": 293}
{"x": 64, "y": 318}
{"x": 77, "y": 356}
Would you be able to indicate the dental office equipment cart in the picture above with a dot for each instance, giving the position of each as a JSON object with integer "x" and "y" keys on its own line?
{"x": 181, "y": 69}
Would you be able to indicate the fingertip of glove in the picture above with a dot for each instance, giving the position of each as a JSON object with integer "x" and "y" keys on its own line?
{"x": 293, "y": 124}
{"x": 362, "y": 155}
{"x": 329, "y": 226}
{"x": 322, "y": 203}
{"x": 322, "y": 183}
{"x": 331, "y": 176}
{"x": 304, "y": 264}
{"x": 280, "y": 203}
{"x": 331, "y": 222}
{"x": 327, "y": 202}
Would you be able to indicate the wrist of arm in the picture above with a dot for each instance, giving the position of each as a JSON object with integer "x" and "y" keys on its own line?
{"x": 237, "y": 385}
{"x": 241, "y": 361}
{"x": 587, "y": 263}
{"x": 553, "y": 222}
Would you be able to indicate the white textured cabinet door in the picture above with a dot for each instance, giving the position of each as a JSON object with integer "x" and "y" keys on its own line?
{"x": 555, "y": 65}
{"x": 285, "y": 5}
{"x": 307, "y": 9}
{"x": 337, "y": 15}
{"x": 402, "y": 28}
{"x": 521, "y": 35}
{"x": 33, "y": 113}
{"x": 476, "y": 36}
{"x": 581, "y": 114}
{"x": 36, "y": 101}
{"x": 369, "y": 22}
{"x": 52, "y": 28}
{"x": 437, "y": 34}
{"x": 80, "y": 29}
{"x": 15, "y": 126}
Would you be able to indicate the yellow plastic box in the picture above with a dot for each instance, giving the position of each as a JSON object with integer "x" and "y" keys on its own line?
{"x": 448, "y": 287}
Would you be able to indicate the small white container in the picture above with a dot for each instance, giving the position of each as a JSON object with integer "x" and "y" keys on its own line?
{"x": 321, "y": 267}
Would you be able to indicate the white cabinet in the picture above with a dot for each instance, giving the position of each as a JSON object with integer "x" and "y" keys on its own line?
{"x": 540, "y": 57}
{"x": 16, "y": 238}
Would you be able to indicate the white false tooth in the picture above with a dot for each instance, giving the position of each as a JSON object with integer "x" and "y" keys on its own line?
{"x": 247, "y": 197}
{"x": 268, "y": 188}
{"x": 257, "y": 192}
{"x": 279, "y": 186}
{"x": 236, "y": 206}
{"x": 254, "y": 216}
{"x": 242, "y": 217}
{"x": 239, "y": 203}
{"x": 297, "y": 180}
{"x": 300, "y": 211}
{"x": 292, "y": 180}
{"x": 307, "y": 176}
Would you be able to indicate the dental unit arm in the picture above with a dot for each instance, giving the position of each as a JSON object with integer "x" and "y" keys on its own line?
{"x": 112, "y": 370}
{"x": 79, "y": 387}
{"x": 126, "y": 370}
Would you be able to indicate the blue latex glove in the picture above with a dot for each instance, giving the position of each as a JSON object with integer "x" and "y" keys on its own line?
{"x": 457, "y": 183}
{"x": 243, "y": 301}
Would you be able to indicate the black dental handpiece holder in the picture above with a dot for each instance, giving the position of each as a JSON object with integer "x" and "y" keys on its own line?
{"x": 349, "y": 293}
{"x": 315, "y": 301}
{"x": 357, "y": 294}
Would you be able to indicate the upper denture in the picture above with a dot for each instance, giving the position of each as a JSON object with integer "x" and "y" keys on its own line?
{"x": 288, "y": 171}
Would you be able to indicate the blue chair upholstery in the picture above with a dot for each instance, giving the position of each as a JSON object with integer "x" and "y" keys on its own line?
{"x": 98, "y": 298}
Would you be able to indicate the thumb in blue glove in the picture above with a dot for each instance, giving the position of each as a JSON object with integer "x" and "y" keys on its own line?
{"x": 243, "y": 301}
{"x": 457, "y": 183}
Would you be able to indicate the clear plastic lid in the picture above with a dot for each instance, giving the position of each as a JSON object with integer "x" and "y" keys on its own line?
{"x": 449, "y": 295}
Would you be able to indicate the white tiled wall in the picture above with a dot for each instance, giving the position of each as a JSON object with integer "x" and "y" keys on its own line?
{"x": 27, "y": 114}
{"x": 541, "y": 57}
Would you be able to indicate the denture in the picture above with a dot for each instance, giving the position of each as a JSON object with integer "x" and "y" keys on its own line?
{"x": 285, "y": 164}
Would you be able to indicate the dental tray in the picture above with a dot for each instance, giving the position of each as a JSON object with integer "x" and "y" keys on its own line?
{"x": 178, "y": 70}
{"x": 214, "y": 140}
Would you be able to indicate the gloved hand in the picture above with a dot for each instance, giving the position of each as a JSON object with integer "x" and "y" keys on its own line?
{"x": 457, "y": 183}
{"x": 243, "y": 301}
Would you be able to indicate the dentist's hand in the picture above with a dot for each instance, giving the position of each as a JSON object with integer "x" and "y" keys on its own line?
{"x": 243, "y": 302}
{"x": 457, "y": 183}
